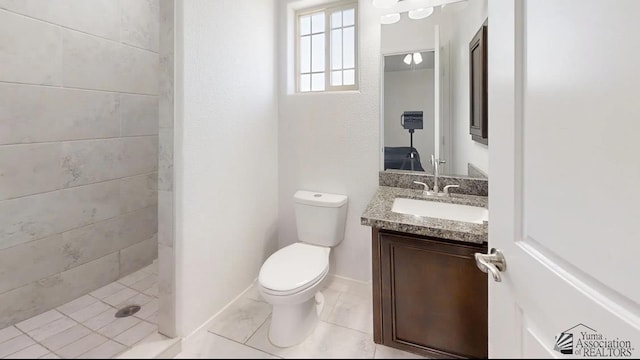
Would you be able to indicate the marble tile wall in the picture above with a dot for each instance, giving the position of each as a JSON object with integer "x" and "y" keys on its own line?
{"x": 166, "y": 254}
{"x": 79, "y": 120}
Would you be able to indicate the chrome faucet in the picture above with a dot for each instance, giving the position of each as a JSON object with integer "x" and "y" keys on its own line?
{"x": 435, "y": 162}
{"x": 436, "y": 188}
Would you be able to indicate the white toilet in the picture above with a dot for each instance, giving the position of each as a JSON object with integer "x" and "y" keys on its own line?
{"x": 291, "y": 277}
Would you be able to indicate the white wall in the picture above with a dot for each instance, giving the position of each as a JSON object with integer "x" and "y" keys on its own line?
{"x": 409, "y": 35}
{"x": 226, "y": 152}
{"x": 409, "y": 91}
{"x": 464, "y": 25}
{"x": 329, "y": 142}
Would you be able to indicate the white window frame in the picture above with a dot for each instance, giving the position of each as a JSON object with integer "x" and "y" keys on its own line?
{"x": 328, "y": 9}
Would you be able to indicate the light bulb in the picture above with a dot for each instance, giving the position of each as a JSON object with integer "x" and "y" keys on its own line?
{"x": 417, "y": 58}
{"x": 421, "y": 13}
{"x": 407, "y": 59}
{"x": 389, "y": 19}
{"x": 384, "y": 4}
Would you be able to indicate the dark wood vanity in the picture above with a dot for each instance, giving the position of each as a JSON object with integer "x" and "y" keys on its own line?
{"x": 429, "y": 297}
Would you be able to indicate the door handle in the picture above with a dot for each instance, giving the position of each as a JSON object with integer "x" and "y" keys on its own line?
{"x": 493, "y": 262}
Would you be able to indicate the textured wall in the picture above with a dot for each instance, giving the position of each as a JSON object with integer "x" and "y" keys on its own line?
{"x": 78, "y": 148}
{"x": 226, "y": 144}
{"x": 329, "y": 142}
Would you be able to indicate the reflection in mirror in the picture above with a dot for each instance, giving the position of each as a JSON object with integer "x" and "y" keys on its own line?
{"x": 439, "y": 86}
{"x": 408, "y": 110}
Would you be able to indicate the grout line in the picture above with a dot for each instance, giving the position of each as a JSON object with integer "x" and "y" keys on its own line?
{"x": 115, "y": 92}
{"x": 79, "y": 227}
{"x": 84, "y": 32}
{"x": 79, "y": 140}
{"x": 249, "y": 346}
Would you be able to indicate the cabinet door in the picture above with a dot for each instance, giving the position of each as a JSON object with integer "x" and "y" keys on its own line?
{"x": 434, "y": 299}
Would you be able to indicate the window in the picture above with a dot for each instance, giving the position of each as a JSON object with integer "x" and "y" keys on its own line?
{"x": 326, "y": 48}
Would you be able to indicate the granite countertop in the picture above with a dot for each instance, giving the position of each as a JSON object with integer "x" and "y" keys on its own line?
{"x": 378, "y": 214}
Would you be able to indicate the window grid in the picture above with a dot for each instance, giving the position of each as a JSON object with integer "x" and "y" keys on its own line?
{"x": 305, "y": 77}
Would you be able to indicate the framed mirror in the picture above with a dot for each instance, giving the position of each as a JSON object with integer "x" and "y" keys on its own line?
{"x": 438, "y": 84}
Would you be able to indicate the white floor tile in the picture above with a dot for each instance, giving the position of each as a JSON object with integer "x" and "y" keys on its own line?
{"x": 52, "y": 328}
{"x": 120, "y": 296}
{"x": 39, "y": 320}
{"x": 326, "y": 341}
{"x": 90, "y": 311}
{"x": 241, "y": 319}
{"x": 49, "y": 356}
{"x": 385, "y": 352}
{"x": 118, "y": 326}
{"x": 14, "y": 345}
{"x": 187, "y": 355}
{"x": 217, "y": 347}
{"x": 66, "y": 337}
{"x": 254, "y": 294}
{"x": 32, "y": 352}
{"x": 145, "y": 283}
{"x": 134, "y": 277}
{"x": 148, "y": 309}
{"x": 106, "y": 350}
{"x": 81, "y": 346}
{"x": 152, "y": 291}
{"x": 353, "y": 311}
{"x": 9, "y": 333}
{"x": 138, "y": 299}
{"x": 330, "y": 298}
{"x": 77, "y": 304}
{"x": 107, "y": 290}
{"x": 103, "y": 319}
{"x": 136, "y": 333}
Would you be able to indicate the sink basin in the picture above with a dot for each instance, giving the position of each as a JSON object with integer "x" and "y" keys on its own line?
{"x": 472, "y": 214}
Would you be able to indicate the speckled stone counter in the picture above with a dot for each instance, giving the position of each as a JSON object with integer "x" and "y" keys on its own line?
{"x": 378, "y": 214}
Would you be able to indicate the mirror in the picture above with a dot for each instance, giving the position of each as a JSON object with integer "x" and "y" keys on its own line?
{"x": 425, "y": 67}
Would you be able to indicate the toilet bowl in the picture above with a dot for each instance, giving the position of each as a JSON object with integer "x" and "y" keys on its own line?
{"x": 290, "y": 279}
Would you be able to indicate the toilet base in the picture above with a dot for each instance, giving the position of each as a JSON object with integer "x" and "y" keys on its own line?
{"x": 292, "y": 324}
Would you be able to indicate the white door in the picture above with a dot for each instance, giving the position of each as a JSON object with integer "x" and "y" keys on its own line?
{"x": 436, "y": 92}
{"x": 564, "y": 127}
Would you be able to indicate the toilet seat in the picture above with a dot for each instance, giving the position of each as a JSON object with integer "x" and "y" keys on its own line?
{"x": 294, "y": 268}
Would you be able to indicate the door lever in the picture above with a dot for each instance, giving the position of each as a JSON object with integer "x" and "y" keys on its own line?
{"x": 493, "y": 262}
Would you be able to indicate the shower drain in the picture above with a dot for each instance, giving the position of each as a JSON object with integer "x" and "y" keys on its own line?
{"x": 127, "y": 311}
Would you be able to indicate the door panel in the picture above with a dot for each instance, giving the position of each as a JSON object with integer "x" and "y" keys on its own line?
{"x": 563, "y": 177}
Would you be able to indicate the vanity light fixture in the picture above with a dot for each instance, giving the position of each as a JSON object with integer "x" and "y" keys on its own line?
{"x": 389, "y": 19}
{"x": 420, "y": 13}
{"x": 384, "y": 4}
{"x": 416, "y": 58}
{"x": 415, "y": 9}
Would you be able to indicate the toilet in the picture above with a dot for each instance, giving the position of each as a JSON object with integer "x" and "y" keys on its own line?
{"x": 290, "y": 279}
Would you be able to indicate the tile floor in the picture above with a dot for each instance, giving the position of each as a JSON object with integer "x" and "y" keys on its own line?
{"x": 86, "y": 327}
{"x": 344, "y": 330}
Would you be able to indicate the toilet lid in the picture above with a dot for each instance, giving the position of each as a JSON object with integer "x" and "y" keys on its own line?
{"x": 294, "y": 266}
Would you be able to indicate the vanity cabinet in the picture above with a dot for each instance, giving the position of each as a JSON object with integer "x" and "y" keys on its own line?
{"x": 428, "y": 295}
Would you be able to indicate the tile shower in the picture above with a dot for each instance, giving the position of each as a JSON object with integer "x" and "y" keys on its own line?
{"x": 79, "y": 131}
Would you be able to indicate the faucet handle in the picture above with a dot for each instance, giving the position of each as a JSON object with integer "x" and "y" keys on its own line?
{"x": 446, "y": 189}
{"x": 426, "y": 187}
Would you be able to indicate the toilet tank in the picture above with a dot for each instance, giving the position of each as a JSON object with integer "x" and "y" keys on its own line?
{"x": 320, "y": 217}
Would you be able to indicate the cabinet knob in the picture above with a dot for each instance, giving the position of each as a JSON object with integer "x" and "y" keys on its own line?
{"x": 493, "y": 262}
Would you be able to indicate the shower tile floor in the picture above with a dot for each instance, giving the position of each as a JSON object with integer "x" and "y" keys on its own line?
{"x": 345, "y": 329}
{"x": 86, "y": 327}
